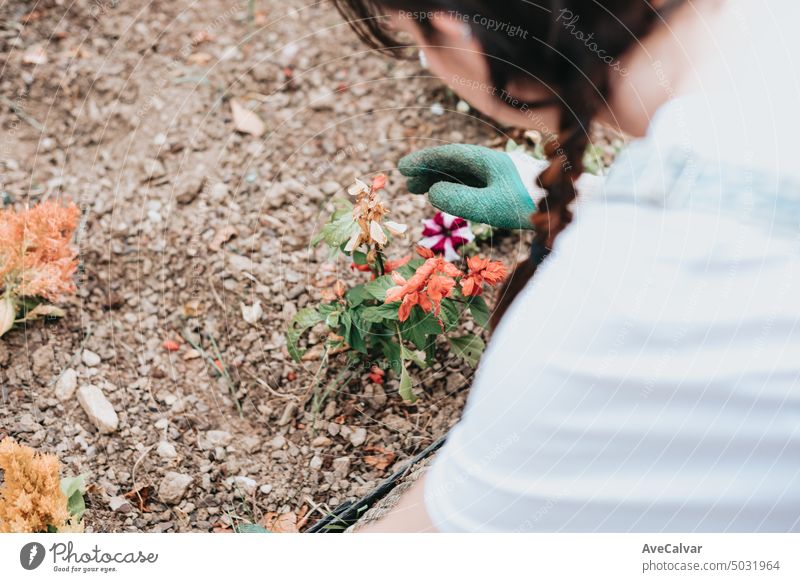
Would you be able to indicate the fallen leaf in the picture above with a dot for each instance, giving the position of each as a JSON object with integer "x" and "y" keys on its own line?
{"x": 193, "y": 308}
{"x": 252, "y": 313}
{"x": 43, "y": 310}
{"x": 220, "y": 527}
{"x": 141, "y": 495}
{"x": 222, "y": 236}
{"x": 283, "y": 523}
{"x": 313, "y": 354}
{"x": 246, "y": 121}
{"x": 380, "y": 461}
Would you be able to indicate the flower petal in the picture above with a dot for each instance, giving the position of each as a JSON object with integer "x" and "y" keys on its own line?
{"x": 450, "y": 253}
{"x": 395, "y": 227}
{"x": 431, "y": 227}
{"x": 377, "y": 234}
{"x": 353, "y": 242}
{"x": 447, "y": 220}
{"x": 357, "y": 188}
{"x": 435, "y": 243}
{"x": 464, "y": 233}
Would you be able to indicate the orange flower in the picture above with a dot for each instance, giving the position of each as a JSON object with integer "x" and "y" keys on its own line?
{"x": 482, "y": 271}
{"x": 432, "y": 282}
{"x": 379, "y": 182}
{"x": 37, "y": 258}
{"x": 388, "y": 266}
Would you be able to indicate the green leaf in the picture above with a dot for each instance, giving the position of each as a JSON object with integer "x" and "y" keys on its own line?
{"x": 339, "y": 229}
{"x": 355, "y": 335}
{"x": 408, "y": 270}
{"x": 469, "y": 347}
{"x": 251, "y": 528}
{"x": 359, "y": 258}
{"x": 450, "y": 314}
{"x": 406, "y": 391}
{"x": 419, "y": 326}
{"x": 380, "y": 313}
{"x": 479, "y": 310}
{"x": 303, "y": 320}
{"x": 393, "y": 354}
{"x": 73, "y": 489}
{"x": 379, "y": 287}
{"x": 357, "y": 295}
{"x": 418, "y": 357}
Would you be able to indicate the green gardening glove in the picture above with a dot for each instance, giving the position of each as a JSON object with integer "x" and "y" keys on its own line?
{"x": 480, "y": 184}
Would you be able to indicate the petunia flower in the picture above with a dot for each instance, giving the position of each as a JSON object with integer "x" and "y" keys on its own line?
{"x": 444, "y": 233}
{"x": 433, "y": 281}
{"x": 482, "y": 271}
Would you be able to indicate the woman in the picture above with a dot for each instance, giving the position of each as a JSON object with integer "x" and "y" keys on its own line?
{"x": 647, "y": 376}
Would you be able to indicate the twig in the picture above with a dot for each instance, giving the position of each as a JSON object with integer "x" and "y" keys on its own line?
{"x": 21, "y": 114}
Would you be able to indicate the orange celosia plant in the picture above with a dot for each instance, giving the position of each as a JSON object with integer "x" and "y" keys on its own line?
{"x": 37, "y": 260}
{"x": 31, "y": 497}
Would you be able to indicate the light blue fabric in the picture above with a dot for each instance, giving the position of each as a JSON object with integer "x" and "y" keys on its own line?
{"x": 648, "y": 378}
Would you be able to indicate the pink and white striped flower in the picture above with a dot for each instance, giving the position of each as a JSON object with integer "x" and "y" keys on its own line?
{"x": 444, "y": 233}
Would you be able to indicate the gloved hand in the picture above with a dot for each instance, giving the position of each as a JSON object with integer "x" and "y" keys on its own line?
{"x": 481, "y": 184}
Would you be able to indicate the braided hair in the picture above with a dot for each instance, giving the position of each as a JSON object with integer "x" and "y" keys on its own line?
{"x": 572, "y": 46}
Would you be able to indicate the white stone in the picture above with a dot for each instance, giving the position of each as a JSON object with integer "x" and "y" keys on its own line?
{"x": 246, "y": 484}
{"x": 173, "y": 487}
{"x": 90, "y": 358}
{"x": 119, "y": 503}
{"x": 97, "y": 407}
{"x": 66, "y": 384}
{"x": 358, "y": 437}
{"x": 219, "y": 438}
{"x": 316, "y": 462}
{"x": 252, "y": 313}
{"x": 265, "y": 489}
{"x": 341, "y": 466}
{"x": 166, "y": 450}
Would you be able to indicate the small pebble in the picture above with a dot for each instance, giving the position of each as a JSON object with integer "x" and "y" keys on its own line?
{"x": 90, "y": 358}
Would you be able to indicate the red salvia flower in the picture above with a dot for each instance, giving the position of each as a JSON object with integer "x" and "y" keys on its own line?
{"x": 432, "y": 282}
{"x": 482, "y": 271}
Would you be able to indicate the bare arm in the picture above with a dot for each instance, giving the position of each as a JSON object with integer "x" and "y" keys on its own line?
{"x": 409, "y": 516}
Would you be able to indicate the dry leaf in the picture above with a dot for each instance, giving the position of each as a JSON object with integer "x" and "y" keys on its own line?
{"x": 141, "y": 496}
{"x": 44, "y": 310}
{"x": 246, "y": 121}
{"x": 377, "y": 234}
{"x": 193, "y": 308}
{"x": 381, "y": 461}
{"x": 313, "y": 354}
{"x": 284, "y": 523}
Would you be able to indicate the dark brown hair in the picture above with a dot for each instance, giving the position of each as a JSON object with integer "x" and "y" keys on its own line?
{"x": 573, "y": 48}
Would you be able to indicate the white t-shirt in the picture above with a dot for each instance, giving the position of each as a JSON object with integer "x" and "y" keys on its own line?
{"x": 648, "y": 378}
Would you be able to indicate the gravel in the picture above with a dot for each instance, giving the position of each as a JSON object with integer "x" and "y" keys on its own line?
{"x": 184, "y": 222}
